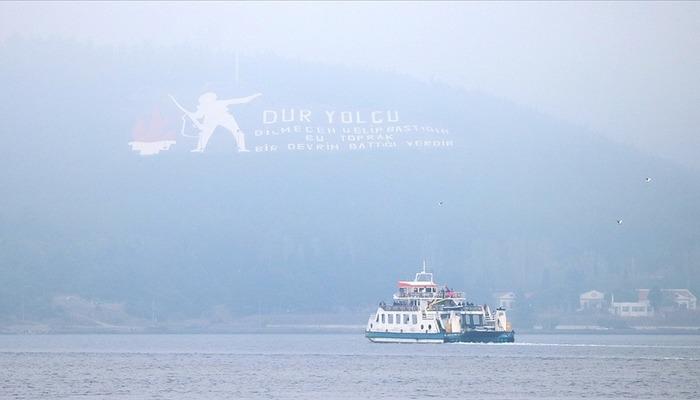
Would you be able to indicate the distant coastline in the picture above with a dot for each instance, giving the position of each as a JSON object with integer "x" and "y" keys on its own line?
{"x": 312, "y": 328}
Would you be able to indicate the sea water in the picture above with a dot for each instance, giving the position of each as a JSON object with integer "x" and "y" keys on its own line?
{"x": 346, "y": 366}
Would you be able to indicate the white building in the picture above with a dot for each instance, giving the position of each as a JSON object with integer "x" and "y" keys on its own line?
{"x": 640, "y": 308}
{"x": 505, "y": 299}
{"x": 682, "y": 299}
{"x": 591, "y": 300}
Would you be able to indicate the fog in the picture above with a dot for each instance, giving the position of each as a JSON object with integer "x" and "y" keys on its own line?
{"x": 543, "y": 149}
{"x": 626, "y": 70}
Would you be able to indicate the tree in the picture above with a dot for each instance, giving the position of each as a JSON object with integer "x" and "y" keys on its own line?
{"x": 655, "y": 298}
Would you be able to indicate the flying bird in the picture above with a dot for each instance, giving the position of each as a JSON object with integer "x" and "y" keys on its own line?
{"x": 619, "y": 222}
{"x": 441, "y": 202}
{"x": 647, "y": 180}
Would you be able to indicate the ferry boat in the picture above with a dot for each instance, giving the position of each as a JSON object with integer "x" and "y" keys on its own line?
{"x": 422, "y": 312}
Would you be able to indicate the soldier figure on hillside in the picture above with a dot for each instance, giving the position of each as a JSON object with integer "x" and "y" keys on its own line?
{"x": 212, "y": 113}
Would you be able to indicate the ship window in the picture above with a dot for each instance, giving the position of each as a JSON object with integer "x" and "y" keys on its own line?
{"x": 391, "y": 318}
{"x": 398, "y": 318}
{"x": 421, "y": 327}
{"x": 383, "y": 318}
{"x": 430, "y": 326}
{"x": 406, "y": 318}
{"x": 377, "y": 319}
{"x": 414, "y": 319}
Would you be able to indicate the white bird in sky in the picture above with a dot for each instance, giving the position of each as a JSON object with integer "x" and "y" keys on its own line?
{"x": 619, "y": 222}
{"x": 647, "y": 180}
{"x": 441, "y": 202}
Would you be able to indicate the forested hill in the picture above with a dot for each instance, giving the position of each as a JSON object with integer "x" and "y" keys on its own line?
{"x": 495, "y": 196}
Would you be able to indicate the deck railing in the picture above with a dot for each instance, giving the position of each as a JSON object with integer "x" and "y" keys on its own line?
{"x": 398, "y": 307}
{"x": 435, "y": 295}
{"x": 437, "y": 307}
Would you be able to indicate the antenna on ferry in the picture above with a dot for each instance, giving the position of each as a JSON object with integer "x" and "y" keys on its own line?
{"x": 424, "y": 266}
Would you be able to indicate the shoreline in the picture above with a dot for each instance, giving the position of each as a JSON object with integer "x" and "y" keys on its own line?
{"x": 303, "y": 329}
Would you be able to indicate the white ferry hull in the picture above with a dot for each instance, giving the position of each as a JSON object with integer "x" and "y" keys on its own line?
{"x": 465, "y": 337}
{"x": 391, "y": 337}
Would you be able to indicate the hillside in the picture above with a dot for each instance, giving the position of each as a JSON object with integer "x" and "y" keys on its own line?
{"x": 496, "y": 196}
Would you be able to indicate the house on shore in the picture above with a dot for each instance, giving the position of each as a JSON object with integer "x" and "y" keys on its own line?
{"x": 628, "y": 307}
{"x": 632, "y": 309}
{"x": 678, "y": 299}
{"x": 591, "y": 300}
{"x": 505, "y": 299}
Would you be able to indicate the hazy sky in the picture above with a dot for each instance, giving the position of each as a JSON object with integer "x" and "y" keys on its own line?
{"x": 626, "y": 70}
